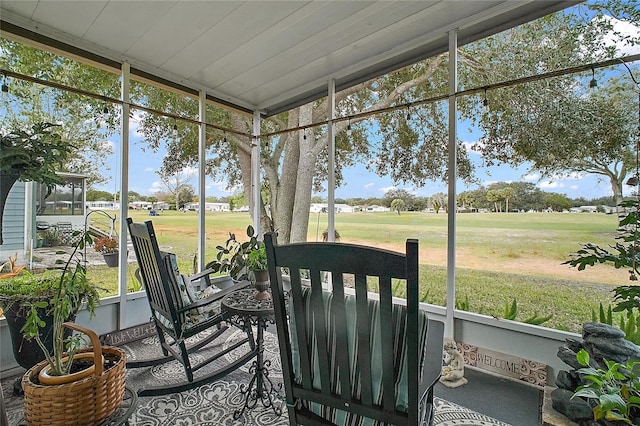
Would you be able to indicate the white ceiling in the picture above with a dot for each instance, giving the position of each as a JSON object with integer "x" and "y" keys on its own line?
{"x": 265, "y": 55}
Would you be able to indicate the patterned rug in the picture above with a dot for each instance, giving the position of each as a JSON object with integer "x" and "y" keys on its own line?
{"x": 215, "y": 403}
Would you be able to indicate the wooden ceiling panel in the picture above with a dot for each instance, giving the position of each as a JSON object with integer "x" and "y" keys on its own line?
{"x": 267, "y": 55}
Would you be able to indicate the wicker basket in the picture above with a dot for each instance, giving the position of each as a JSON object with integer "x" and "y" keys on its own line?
{"x": 85, "y": 402}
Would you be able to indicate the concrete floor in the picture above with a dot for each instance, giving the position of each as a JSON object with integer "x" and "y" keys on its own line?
{"x": 507, "y": 400}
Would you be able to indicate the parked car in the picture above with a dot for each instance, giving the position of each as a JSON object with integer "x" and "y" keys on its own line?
{"x": 154, "y": 213}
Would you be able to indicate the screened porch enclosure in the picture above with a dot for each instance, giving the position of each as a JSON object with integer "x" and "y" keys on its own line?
{"x": 263, "y": 58}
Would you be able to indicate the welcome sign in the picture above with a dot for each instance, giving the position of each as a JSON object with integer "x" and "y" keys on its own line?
{"x": 532, "y": 372}
{"x": 127, "y": 335}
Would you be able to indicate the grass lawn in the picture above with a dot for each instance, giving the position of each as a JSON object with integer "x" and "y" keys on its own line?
{"x": 499, "y": 256}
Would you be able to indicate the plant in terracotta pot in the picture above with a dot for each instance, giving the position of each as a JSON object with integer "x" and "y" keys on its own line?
{"x": 257, "y": 264}
{"x": 108, "y": 246}
{"x": 33, "y": 154}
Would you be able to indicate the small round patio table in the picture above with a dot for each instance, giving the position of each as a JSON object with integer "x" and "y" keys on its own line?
{"x": 245, "y": 311}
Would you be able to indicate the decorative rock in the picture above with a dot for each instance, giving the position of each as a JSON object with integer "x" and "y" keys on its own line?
{"x": 600, "y": 341}
{"x": 574, "y": 345}
{"x": 576, "y": 409}
{"x": 568, "y": 357}
{"x": 596, "y": 329}
{"x": 568, "y": 380}
{"x": 619, "y": 349}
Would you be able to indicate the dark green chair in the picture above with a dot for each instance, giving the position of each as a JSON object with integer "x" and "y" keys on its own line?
{"x": 180, "y": 314}
{"x": 348, "y": 354}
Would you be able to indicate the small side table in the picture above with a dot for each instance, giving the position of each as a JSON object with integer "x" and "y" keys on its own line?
{"x": 123, "y": 413}
{"x": 120, "y": 417}
{"x": 244, "y": 312}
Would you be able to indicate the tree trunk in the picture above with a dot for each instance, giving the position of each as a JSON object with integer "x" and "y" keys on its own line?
{"x": 283, "y": 198}
{"x": 616, "y": 187}
{"x": 304, "y": 180}
{"x": 7, "y": 180}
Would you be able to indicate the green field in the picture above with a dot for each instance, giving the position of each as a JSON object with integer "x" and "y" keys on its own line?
{"x": 499, "y": 256}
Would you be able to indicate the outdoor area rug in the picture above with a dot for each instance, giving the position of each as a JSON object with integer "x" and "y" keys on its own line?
{"x": 214, "y": 403}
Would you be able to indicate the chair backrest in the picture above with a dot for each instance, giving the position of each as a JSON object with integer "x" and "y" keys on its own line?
{"x": 156, "y": 267}
{"x": 353, "y": 352}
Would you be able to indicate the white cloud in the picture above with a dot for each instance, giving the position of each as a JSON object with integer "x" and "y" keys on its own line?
{"x": 387, "y": 189}
{"x": 189, "y": 171}
{"x": 149, "y": 169}
{"x": 369, "y": 185}
{"x": 551, "y": 184}
{"x": 468, "y": 146}
{"x": 134, "y": 123}
{"x": 108, "y": 146}
{"x": 574, "y": 187}
{"x": 625, "y": 28}
{"x": 156, "y": 186}
{"x": 531, "y": 177}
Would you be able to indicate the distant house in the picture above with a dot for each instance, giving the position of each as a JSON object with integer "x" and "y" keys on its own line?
{"x": 323, "y": 207}
{"x": 102, "y": 205}
{"x": 377, "y": 209}
{"x": 148, "y": 205}
{"x": 141, "y": 205}
{"x": 593, "y": 209}
{"x": 208, "y": 207}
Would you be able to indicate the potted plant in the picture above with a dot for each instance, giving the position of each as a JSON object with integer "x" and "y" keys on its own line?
{"x": 48, "y": 300}
{"x": 36, "y": 304}
{"x": 233, "y": 256}
{"x": 257, "y": 264}
{"x": 35, "y": 155}
{"x": 108, "y": 246}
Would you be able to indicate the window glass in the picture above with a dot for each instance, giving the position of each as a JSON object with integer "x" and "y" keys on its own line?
{"x": 65, "y": 199}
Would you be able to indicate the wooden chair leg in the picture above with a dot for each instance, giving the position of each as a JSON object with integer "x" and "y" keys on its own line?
{"x": 185, "y": 361}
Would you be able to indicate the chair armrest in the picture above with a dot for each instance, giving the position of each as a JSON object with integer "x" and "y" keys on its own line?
{"x": 432, "y": 365}
{"x": 202, "y": 274}
{"x": 215, "y": 297}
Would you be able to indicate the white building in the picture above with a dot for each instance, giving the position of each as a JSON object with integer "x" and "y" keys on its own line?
{"x": 323, "y": 208}
{"x": 208, "y": 207}
{"x": 376, "y": 209}
{"x": 102, "y": 205}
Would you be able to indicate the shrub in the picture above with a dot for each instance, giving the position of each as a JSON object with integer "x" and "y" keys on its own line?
{"x": 106, "y": 245}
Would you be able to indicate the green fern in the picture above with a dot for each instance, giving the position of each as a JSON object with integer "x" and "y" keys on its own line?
{"x": 536, "y": 320}
{"x": 511, "y": 313}
{"x": 631, "y": 327}
{"x": 602, "y": 316}
{"x": 463, "y": 305}
{"x": 424, "y": 298}
{"x": 510, "y": 310}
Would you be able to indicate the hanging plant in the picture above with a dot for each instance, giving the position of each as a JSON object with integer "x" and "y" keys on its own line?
{"x": 31, "y": 155}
